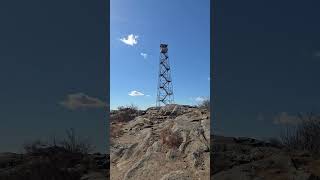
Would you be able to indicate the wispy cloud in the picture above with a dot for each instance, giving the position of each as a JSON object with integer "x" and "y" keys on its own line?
{"x": 82, "y": 101}
{"x": 208, "y": 78}
{"x": 198, "y": 100}
{"x": 144, "y": 55}
{"x": 130, "y": 39}
{"x": 148, "y": 95}
{"x": 285, "y": 119}
{"x": 316, "y": 54}
{"x": 201, "y": 98}
{"x": 135, "y": 93}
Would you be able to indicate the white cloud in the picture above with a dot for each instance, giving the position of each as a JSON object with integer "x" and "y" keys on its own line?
{"x": 148, "y": 95}
{"x": 135, "y": 93}
{"x": 130, "y": 40}
{"x": 144, "y": 55}
{"x": 82, "y": 101}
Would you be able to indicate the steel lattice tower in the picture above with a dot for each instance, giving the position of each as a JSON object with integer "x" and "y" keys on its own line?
{"x": 165, "y": 89}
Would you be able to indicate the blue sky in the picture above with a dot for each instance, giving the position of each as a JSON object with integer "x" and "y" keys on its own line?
{"x": 53, "y": 62}
{"x": 266, "y": 65}
{"x": 184, "y": 25}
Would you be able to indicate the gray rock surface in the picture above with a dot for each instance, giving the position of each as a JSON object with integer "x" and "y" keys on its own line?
{"x": 251, "y": 159}
{"x": 167, "y": 143}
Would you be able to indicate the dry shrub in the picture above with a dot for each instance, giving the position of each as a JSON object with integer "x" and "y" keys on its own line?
{"x": 169, "y": 138}
{"x": 71, "y": 144}
{"x": 205, "y": 104}
{"x": 125, "y": 113}
{"x": 74, "y": 144}
{"x": 132, "y": 109}
{"x": 305, "y": 135}
{"x": 34, "y": 147}
{"x": 53, "y": 160}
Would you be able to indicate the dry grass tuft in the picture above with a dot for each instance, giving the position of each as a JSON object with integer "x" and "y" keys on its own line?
{"x": 116, "y": 130}
{"x": 169, "y": 138}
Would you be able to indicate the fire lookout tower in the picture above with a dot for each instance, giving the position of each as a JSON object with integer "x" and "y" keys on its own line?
{"x": 165, "y": 89}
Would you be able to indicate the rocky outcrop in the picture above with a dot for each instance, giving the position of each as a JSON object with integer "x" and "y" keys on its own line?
{"x": 248, "y": 159}
{"x": 167, "y": 143}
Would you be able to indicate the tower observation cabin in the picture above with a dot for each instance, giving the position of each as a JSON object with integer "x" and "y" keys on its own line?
{"x": 163, "y": 48}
